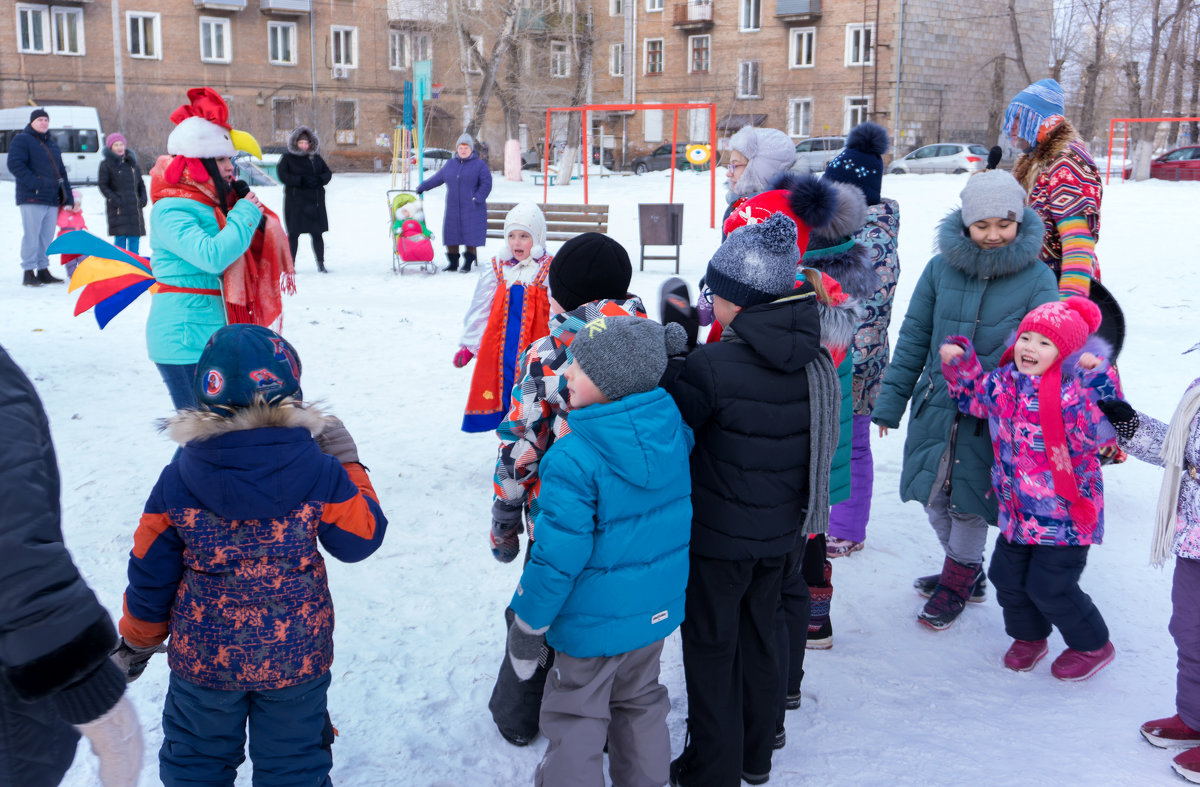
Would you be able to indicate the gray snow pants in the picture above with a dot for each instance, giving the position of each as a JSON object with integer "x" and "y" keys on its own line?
{"x": 615, "y": 697}
{"x": 38, "y": 223}
{"x": 963, "y": 535}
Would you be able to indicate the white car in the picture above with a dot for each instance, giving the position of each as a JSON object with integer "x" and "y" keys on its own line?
{"x": 953, "y": 157}
{"x": 814, "y": 154}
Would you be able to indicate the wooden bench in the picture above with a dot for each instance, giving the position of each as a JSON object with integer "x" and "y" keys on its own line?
{"x": 563, "y": 221}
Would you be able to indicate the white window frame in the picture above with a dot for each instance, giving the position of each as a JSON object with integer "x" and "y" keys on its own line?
{"x": 44, "y": 12}
{"x": 654, "y": 6}
{"x": 141, "y": 17}
{"x": 471, "y": 5}
{"x": 662, "y": 56}
{"x": 349, "y": 46}
{"x": 857, "y": 110}
{"x": 404, "y": 40}
{"x": 214, "y": 23}
{"x": 560, "y": 60}
{"x": 616, "y": 60}
{"x": 475, "y": 63}
{"x": 691, "y": 62}
{"x": 422, "y": 44}
{"x": 867, "y": 54}
{"x": 282, "y": 30}
{"x": 802, "y": 46}
{"x": 347, "y": 136}
{"x": 750, "y": 16}
{"x": 745, "y": 68}
{"x": 616, "y": 7}
{"x": 57, "y": 12}
{"x": 799, "y": 130}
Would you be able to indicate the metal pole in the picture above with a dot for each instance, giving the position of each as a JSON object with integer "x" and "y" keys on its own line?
{"x": 674, "y": 137}
{"x": 312, "y": 57}
{"x": 587, "y": 154}
{"x": 546, "y": 160}
{"x": 1108, "y": 167}
{"x": 712, "y": 166}
{"x": 118, "y": 66}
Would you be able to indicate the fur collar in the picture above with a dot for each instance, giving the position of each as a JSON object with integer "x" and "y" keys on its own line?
{"x": 314, "y": 142}
{"x": 1030, "y": 165}
{"x": 188, "y": 426}
{"x": 962, "y": 254}
{"x": 114, "y": 158}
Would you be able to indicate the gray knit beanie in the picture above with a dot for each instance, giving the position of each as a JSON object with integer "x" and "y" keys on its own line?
{"x": 756, "y": 263}
{"x": 465, "y": 139}
{"x": 626, "y": 355}
{"x": 992, "y": 194}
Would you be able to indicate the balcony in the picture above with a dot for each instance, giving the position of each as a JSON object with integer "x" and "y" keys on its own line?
{"x": 797, "y": 10}
{"x": 694, "y": 15}
{"x": 431, "y": 11}
{"x": 221, "y": 5}
{"x": 285, "y": 6}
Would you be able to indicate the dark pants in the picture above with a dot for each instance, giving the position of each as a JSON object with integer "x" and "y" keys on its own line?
{"x": 179, "y": 379}
{"x": 318, "y": 244}
{"x": 1185, "y": 628}
{"x": 36, "y": 745}
{"x": 1038, "y": 587}
{"x": 204, "y": 735}
{"x": 791, "y": 628}
{"x": 729, "y": 666}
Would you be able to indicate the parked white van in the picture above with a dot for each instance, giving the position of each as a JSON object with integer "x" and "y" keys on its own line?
{"x": 76, "y": 130}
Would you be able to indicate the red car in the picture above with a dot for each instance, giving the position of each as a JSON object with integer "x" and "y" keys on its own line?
{"x": 1178, "y": 164}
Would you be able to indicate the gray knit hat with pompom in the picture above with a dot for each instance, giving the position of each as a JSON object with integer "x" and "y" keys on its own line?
{"x": 626, "y": 355}
{"x": 756, "y": 263}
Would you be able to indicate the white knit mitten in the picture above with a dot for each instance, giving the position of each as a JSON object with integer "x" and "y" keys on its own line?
{"x": 116, "y": 739}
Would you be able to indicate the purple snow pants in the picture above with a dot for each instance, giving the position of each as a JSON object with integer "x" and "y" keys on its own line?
{"x": 848, "y": 519}
{"x": 1185, "y": 628}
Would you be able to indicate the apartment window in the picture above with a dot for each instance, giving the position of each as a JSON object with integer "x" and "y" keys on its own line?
{"x": 214, "y": 40}
{"x": 654, "y": 56}
{"x": 616, "y": 7}
{"x": 345, "y": 46}
{"x": 860, "y": 45}
{"x": 751, "y": 14}
{"x": 145, "y": 35}
{"x": 471, "y": 5}
{"x": 281, "y": 43}
{"x": 699, "y": 52}
{"x": 397, "y": 50}
{"x": 654, "y": 5}
{"x": 799, "y": 117}
{"x": 283, "y": 116}
{"x": 652, "y": 125}
{"x": 67, "y": 26}
{"x": 475, "y": 55}
{"x": 858, "y": 110}
{"x": 422, "y": 46}
{"x": 616, "y": 60}
{"x": 345, "y": 122}
{"x": 802, "y": 48}
{"x": 748, "y": 79}
{"x": 33, "y": 29}
{"x": 560, "y": 60}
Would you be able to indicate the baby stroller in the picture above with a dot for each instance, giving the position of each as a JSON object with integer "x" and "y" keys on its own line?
{"x": 412, "y": 245}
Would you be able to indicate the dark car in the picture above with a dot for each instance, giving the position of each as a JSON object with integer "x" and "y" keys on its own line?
{"x": 609, "y": 161}
{"x": 660, "y": 158}
{"x": 1178, "y": 164}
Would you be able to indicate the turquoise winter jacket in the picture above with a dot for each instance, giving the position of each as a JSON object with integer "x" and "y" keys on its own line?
{"x": 190, "y": 251}
{"x": 609, "y": 568}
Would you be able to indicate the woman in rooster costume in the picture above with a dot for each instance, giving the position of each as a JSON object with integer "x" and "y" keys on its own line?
{"x": 219, "y": 257}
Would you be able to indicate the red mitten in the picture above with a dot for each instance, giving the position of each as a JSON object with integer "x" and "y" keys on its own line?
{"x": 462, "y": 357}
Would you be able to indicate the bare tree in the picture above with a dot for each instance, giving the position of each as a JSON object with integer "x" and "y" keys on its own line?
{"x": 1017, "y": 46}
{"x": 583, "y": 39}
{"x": 1099, "y": 18}
{"x": 503, "y": 44}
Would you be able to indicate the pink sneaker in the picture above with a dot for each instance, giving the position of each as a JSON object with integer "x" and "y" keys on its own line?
{"x": 1074, "y": 664}
{"x": 1024, "y": 655}
{"x": 1187, "y": 765}
{"x": 1170, "y": 733}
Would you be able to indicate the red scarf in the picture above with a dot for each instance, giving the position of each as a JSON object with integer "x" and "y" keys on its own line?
{"x": 254, "y": 284}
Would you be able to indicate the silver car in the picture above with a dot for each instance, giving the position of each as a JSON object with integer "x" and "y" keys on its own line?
{"x": 943, "y": 157}
{"x": 815, "y": 153}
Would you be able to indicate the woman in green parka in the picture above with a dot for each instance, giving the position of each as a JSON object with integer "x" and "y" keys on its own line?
{"x": 984, "y": 279}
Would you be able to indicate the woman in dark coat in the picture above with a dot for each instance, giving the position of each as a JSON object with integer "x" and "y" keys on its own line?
{"x": 468, "y": 182}
{"x": 304, "y": 174}
{"x": 120, "y": 181}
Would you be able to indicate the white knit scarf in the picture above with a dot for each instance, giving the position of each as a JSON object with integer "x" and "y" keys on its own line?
{"x": 1172, "y": 450}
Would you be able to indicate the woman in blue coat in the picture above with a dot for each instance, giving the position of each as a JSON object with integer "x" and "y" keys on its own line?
{"x": 468, "y": 183}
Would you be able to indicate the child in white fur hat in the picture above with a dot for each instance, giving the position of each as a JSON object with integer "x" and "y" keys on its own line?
{"x": 511, "y": 303}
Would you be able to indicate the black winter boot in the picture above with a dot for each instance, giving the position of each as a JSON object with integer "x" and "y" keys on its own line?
{"x": 31, "y": 279}
{"x": 951, "y": 594}
{"x": 453, "y": 266}
{"x": 45, "y": 277}
{"x": 468, "y": 261}
{"x": 321, "y": 266}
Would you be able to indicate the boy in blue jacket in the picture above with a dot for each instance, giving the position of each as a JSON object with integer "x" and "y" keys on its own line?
{"x": 606, "y": 578}
{"x": 225, "y": 562}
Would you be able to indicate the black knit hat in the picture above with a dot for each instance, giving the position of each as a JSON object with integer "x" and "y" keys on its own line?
{"x": 756, "y": 263}
{"x": 38, "y": 113}
{"x": 589, "y": 267}
{"x": 861, "y": 162}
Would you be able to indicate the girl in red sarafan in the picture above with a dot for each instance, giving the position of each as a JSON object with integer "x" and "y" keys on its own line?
{"x": 226, "y": 563}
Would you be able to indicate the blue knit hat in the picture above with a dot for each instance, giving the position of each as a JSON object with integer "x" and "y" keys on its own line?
{"x": 756, "y": 263}
{"x": 861, "y": 162}
{"x": 243, "y": 364}
{"x": 1031, "y": 107}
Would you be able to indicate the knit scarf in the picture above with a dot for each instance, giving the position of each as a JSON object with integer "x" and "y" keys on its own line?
{"x": 254, "y": 284}
{"x": 1168, "y": 495}
{"x": 1054, "y": 435}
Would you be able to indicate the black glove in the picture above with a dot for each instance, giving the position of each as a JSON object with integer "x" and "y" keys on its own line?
{"x": 132, "y": 660}
{"x": 336, "y": 441}
{"x": 1122, "y": 417}
{"x": 505, "y": 536}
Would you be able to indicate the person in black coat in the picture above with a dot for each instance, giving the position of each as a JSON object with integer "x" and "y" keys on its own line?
{"x": 304, "y": 174}
{"x": 56, "y": 678}
{"x": 120, "y": 181}
{"x": 35, "y": 161}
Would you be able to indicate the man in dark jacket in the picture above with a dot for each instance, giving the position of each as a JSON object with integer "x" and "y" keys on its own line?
{"x": 42, "y": 186}
{"x": 763, "y": 405}
{"x": 55, "y": 637}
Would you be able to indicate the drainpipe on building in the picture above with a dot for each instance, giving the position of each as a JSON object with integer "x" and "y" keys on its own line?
{"x": 899, "y": 66}
{"x": 312, "y": 58}
{"x": 630, "y": 86}
{"x": 118, "y": 73}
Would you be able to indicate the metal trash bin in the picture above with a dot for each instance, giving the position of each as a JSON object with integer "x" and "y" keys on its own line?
{"x": 661, "y": 225}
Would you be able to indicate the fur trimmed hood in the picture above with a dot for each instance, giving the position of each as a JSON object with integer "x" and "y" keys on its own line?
{"x": 960, "y": 252}
{"x": 314, "y": 141}
{"x": 188, "y": 426}
{"x": 1030, "y": 165}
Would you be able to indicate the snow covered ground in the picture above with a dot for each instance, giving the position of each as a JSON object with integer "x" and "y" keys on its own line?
{"x": 419, "y": 631}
